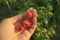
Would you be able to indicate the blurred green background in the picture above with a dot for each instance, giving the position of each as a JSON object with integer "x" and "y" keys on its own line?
{"x": 48, "y": 16}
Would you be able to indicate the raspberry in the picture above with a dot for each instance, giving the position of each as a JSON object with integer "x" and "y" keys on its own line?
{"x": 26, "y": 24}
{"x": 19, "y": 27}
{"x": 28, "y": 13}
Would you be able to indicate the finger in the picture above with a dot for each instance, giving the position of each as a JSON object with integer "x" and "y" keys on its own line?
{"x": 34, "y": 12}
{"x": 17, "y": 33}
{"x": 30, "y": 9}
{"x": 32, "y": 29}
{"x": 26, "y": 33}
{"x": 14, "y": 19}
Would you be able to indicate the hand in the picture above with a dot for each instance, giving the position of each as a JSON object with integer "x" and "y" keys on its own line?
{"x": 7, "y": 28}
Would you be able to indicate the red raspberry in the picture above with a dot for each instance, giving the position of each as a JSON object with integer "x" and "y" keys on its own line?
{"x": 19, "y": 27}
{"x": 26, "y": 24}
{"x": 28, "y": 13}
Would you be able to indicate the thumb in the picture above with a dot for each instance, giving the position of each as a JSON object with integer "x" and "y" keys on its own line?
{"x": 14, "y": 19}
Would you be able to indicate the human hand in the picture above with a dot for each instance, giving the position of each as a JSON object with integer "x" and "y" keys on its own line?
{"x": 7, "y": 28}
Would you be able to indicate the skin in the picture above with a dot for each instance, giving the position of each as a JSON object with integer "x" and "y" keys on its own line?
{"x": 7, "y": 28}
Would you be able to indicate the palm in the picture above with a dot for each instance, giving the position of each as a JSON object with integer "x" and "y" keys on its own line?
{"x": 10, "y": 34}
{"x": 7, "y": 31}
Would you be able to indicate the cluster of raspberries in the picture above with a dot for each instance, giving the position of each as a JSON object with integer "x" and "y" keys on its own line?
{"x": 26, "y": 21}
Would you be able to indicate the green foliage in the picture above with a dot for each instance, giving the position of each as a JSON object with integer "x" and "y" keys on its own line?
{"x": 48, "y": 11}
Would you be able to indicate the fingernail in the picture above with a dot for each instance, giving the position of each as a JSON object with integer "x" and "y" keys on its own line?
{"x": 31, "y": 8}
